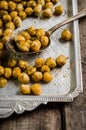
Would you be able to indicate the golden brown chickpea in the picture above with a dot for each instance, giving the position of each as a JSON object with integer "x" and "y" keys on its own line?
{"x": 7, "y": 72}
{"x": 22, "y": 14}
{"x": 2, "y": 13}
{"x": 10, "y": 25}
{"x": 47, "y": 77}
{"x": 1, "y": 46}
{"x": 50, "y": 62}
{"x": 47, "y": 12}
{"x": 1, "y": 23}
{"x": 16, "y": 72}
{"x": 61, "y": 60}
{"x": 19, "y": 7}
{"x": 25, "y": 35}
{"x": 35, "y": 45}
{"x": 29, "y": 11}
{"x": 39, "y": 62}
{"x": 3, "y": 81}
{"x": 37, "y": 76}
{"x": 17, "y": 21}
{"x": 37, "y": 10}
{"x": 25, "y": 89}
{"x": 23, "y": 46}
{"x": 44, "y": 41}
{"x": 36, "y": 89}
{"x": 1, "y": 32}
{"x": 11, "y": 6}
{"x": 66, "y": 35}
{"x": 40, "y": 32}
{"x": 32, "y": 31}
{"x": 19, "y": 38}
{"x": 59, "y": 10}
{"x": 31, "y": 3}
{"x": 54, "y": 1}
{"x": 24, "y": 3}
{"x": 3, "y": 5}
{"x": 49, "y": 5}
{"x": 7, "y": 18}
{"x": 8, "y": 32}
{"x": 31, "y": 70}
{"x": 13, "y": 14}
{"x": 12, "y": 63}
{"x": 23, "y": 64}
{"x": 1, "y": 70}
{"x": 23, "y": 78}
{"x": 42, "y": 2}
{"x": 5, "y": 39}
{"x": 45, "y": 68}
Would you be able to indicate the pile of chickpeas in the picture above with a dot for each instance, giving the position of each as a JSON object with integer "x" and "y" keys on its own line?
{"x": 31, "y": 39}
{"x": 24, "y": 73}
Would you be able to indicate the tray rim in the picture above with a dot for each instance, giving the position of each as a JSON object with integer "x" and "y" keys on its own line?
{"x": 21, "y": 103}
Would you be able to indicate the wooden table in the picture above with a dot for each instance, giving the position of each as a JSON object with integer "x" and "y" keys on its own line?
{"x": 56, "y": 116}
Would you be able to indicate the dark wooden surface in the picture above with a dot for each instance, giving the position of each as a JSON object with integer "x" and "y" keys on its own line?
{"x": 56, "y": 116}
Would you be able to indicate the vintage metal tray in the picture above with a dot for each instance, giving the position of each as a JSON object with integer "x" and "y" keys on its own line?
{"x": 67, "y": 81}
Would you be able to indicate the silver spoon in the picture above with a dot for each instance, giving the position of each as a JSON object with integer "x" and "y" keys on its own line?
{"x": 10, "y": 46}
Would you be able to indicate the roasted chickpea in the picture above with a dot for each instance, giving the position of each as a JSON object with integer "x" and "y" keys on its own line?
{"x": 11, "y": 6}
{"x": 24, "y": 3}
{"x": 32, "y": 31}
{"x": 23, "y": 78}
{"x": 12, "y": 63}
{"x": 25, "y": 89}
{"x": 35, "y": 45}
{"x": 37, "y": 9}
{"x": 1, "y": 70}
{"x": 1, "y": 32}
{"x": 59, "y": 10}
{"x": 31, "y": 3}
{"x": 37, "y": 76}
{"x": 7, "y": 18}
{"x": 47, "y": 77}
{"x": 13, "y": 14}
{"x": 29, "y": 11}
{"x": 10, "y": 25}
{"x": 17, "y": 21}
{"x": 31, "y": 70}
{"x": 19, "y": 38}
{"x": 50, "y": 62}
{"x": 8, "y": 32}
{"x": 45, "y": 68}
{"x": 23, "y": 64}
{"x": 66, "y": 35}
{"x": 44, "y": 41}
{"x": 1, "y": 23}
{"x": 1, "y": 46}
{"x": 2, "y": 13}
{"x": 22, "y": 14}
{"x": 42, "y": 2}
{"x": 7, "y": 72}
{"x": 61, "y": 60}
{"x": 16, "y": 72}
{"x": 3, "y": 5}
{"x": 54, "y": 1}
{"x": 3, "y": 81}
{"x": 49, "y": 5}
{"x": 23, "y": 46}
{"x": 40, "y": 32}
{"x": 19, "y": 7}
{"x": 25, "y": 35}
{"x": 39, "y": 62}
{"x": 47, "y": 12}
{"x": 5, "y": 39}
{"x": 36, "y": 89}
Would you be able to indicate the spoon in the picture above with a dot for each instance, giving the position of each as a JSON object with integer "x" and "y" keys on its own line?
{"x": 11, "y": 47}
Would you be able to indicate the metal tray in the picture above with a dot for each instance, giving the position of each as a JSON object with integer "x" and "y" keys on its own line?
{"x": 67, "y": 81}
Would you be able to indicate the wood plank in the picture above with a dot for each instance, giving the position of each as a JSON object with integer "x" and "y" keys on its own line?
{"x": 75, "y": 112}
{"x": 45, "y": 117}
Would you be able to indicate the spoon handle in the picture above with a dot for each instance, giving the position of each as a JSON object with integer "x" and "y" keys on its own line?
{"x": 75, "y": 17}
